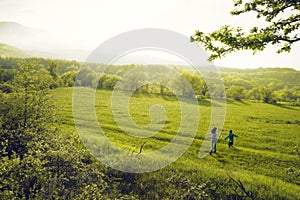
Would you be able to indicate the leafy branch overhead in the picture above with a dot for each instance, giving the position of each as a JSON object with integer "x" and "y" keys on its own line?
{"x": 281, "y": 16}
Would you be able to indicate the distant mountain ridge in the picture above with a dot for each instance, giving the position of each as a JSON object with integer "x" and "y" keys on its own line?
{"x": 15, "y": 34}
{"x": 17, "y": 40}
{"x": 13, "y": 26}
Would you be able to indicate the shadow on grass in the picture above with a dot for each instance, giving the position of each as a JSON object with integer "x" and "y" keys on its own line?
{"x": 283, "y": 106}
{"x": 219, "y": 157}
{"x": 235, "y": 102}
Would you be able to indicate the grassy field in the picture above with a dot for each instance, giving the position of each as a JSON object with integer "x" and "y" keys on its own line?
{"x": 265, "y": 157}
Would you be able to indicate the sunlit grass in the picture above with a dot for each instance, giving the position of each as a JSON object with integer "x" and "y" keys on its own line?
{"x": 264, "y": 156}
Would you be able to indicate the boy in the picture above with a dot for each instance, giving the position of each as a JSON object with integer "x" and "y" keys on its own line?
{"x": 230, "y": 137}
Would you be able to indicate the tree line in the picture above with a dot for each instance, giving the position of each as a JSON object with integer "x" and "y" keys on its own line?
{"x": 269, "y": 85}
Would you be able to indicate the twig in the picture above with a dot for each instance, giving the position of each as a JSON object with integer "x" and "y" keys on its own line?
{"x": 141, "y": 149}
{"x": 241, "y": 186}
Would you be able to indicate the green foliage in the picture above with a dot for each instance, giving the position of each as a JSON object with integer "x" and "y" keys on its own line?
{"x": 63, "y": 73}
{"x": 282, "y": 19}
{"x": 266, "y": 95}
{"x": 282, "y": 83}
{"x": 68, "y": 78}
{"x": 235, "y": 92}
{"x": 52, "y": 68}
{"x": 287, "y": 94}
{"x": 41, "y": 161}
{"x": 6, "y": 87}
{"x": 37, "y": 162}
{"x": 253, "y": 94}
{"x": 26, "y": 114}
{"x": 107, "y": 81}
{"x": 86, "y": 77}
{"x": 189, "y": 85}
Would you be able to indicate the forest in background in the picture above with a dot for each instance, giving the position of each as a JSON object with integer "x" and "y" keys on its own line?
{"x": 269, "y": 85}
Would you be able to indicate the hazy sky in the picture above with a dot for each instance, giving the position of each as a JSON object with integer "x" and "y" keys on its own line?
{"x": 85, "y": 24}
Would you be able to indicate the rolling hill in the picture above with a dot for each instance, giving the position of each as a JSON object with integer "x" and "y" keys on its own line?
{"x": 10, "y": 51}
{"x": 17, "y": 35}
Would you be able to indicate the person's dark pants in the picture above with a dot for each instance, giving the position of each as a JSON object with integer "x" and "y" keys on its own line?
{"x": 230, "y": 144}
{"x": 213, "y": 147}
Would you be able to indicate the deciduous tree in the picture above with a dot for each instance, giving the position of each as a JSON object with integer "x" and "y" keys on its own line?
{"x": 281, "y": 16}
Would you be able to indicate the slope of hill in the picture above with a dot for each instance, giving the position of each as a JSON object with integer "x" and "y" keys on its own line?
{"x": 13, "y": 27}
{"x": 279, "y": 77}
{"x": 268, "y": 168}
{"x": 10, "y": 51}
{"x": 17, "y": 35}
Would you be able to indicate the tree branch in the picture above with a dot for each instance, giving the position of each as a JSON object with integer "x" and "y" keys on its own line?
{"x": 289, "y": 40}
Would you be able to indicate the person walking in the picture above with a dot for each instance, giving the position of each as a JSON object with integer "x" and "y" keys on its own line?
{"x": 214, "y": 138}
{"x": 230, "y": 138}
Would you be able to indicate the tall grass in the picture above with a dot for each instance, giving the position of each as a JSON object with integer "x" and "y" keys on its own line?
{"x": 264, "y": 156}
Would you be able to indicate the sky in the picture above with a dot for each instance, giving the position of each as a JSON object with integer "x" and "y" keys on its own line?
{"x": 84, "y": 25}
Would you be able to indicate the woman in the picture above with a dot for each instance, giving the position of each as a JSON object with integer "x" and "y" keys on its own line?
{"x": 214, "y": 138}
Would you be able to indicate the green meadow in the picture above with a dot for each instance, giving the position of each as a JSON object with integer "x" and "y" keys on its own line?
{"x": 264, "y": 163}
{"x": 113, "y": 143}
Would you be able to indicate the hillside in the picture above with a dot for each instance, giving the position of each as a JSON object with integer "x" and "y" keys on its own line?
{"x": 263, "y": 158}
{"x": 38, "y": 43}
{"x": 13, "y": 26}
{"x": 59, "y": 139}
{"x": 10, "y": 51}
{"x": 17, "y": 35}
{"x": 279, "y": 77}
